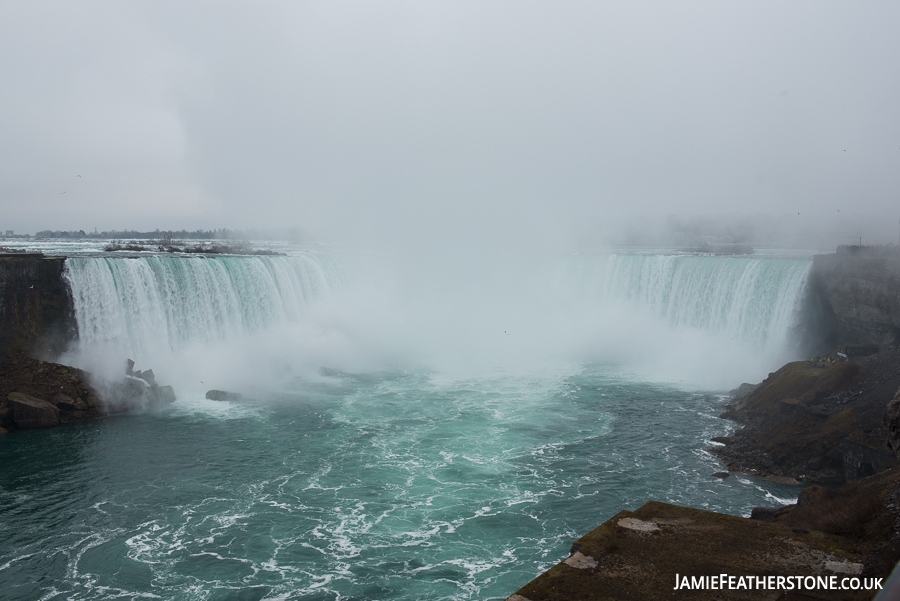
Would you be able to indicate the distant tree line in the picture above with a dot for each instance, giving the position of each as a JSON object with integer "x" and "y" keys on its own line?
{"x": 291, "y": 234}
{"x": 154, "y": 235}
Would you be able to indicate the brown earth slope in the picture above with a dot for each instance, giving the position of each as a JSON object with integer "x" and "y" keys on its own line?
{"x": 641, "y": 555}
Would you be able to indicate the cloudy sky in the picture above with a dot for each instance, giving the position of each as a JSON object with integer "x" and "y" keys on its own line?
{"x": 386, "y": 117}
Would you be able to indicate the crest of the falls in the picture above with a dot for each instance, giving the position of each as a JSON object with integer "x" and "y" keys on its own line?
{"x": 684, "y": 316}
{"x": 152, "y": 304}
{"x": 708, "y": 321}
{"x": 753, "y": 300}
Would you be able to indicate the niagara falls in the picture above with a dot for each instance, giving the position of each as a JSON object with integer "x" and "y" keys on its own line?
{"x": 345, "y": 472}
{"x": 458, "y": 301}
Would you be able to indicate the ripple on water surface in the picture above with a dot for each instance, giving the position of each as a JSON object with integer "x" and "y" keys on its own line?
{"x": 400, "y": 486}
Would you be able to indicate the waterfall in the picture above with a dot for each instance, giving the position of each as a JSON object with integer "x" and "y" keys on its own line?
{"x": 710, "y": 320}
{"x": 756, "y": 301}
{"x": 159, "y": 303}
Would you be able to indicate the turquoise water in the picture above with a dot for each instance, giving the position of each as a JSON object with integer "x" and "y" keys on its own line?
{"x": 381, "y": 486}
{"x": 470, "y": 429}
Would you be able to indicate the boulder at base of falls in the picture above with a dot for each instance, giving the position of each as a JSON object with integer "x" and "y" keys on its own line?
{"x": 223, "y": 395}
{"x": 32, "y": 412}
{"x": 66, "y": 388}
{"x": 140, "y": 390}
{"x": 147, "y": 376}
{"x": 136, "y": 394}
{"x": 162, "y": 395}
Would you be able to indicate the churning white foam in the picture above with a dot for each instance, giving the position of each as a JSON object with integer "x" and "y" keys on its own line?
{"x": 233, "y": 322}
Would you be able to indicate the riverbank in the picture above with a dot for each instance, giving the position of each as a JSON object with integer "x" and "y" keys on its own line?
{"x": 815, "y": 421}
{"x": 663, "y": 551}
{"x": 812, "y": 421}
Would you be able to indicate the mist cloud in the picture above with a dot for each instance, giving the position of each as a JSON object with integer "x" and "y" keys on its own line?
{"x": 468, "y": 121}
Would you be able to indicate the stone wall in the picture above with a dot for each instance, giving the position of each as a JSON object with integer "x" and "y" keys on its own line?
{"x": 36, "y": 310}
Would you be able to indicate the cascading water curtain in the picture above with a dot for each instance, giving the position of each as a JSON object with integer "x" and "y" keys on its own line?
{"x": 163, "y": 302}
{"x": 754, "y": 300}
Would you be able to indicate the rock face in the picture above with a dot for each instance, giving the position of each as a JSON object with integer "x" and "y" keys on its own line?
{"x": 146, "y": 375}
{"x": 862, "y": 287}
{"x": 72, "y": 393}
{"x": 31, "y": 412}
{"x": 66, "y": 388}
{"x": 824, "y": 420}
{"x": 815, "y": 423}
{"x": 163, "y": 395}
{"x": 37, "y": 319}
{"x": 35, "y": 305}
{"x": 892, "y": 424}
{"x": 135, "y": 392}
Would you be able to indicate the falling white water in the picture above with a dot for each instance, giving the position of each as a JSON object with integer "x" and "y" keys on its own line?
{"x": 397, "y": 484}
{"x": 149, "y": 305}
{"x": 703, "y": 320}
{"x": 754, "y": 300}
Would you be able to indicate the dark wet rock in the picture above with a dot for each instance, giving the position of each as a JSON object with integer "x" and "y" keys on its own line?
{"x": 136, "y": 394}
{"x": 892, "y": 424}
{"x": 3, "y": 431}
{"x": 819, "y": 410}
{"x": 67, "y": 404}
{"x": 862, "y": 290}
{"x": 721, "y": 475}
{"x": 861, "y": 460}
{"x": 743, "y": 390}
{"x": 809, "y": 495}
{"x": 36, "y": 314}
{"x": 163, "y": 394}
{"x": 223, "y": 395}
{"x": 817, "y": 421}
{"x": 66, "y": 388}
{"x": 139, "y": 391}
{"x": 148, "y": 376}
{"x": 790, "y": 481}
{"x": 74, "y": 394}
{"x": 851, "y": 351}
{"x": 32, "y": 412}
{"x": 767, "y": 514}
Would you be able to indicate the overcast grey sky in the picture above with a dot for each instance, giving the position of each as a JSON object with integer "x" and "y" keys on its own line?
{"x": 392, "y": 117}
